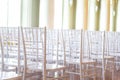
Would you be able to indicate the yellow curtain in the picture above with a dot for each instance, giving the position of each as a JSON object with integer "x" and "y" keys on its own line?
{"x": 97, "y": 14}
{"x": 72, "y": 14}
{"x": 85, "y": 15}
{"x": 108, "y": 15}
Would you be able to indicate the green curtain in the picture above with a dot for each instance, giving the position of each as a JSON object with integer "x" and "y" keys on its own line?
{"x": 72, "y": 14}
{"x": 97, "y": 14}
{"x": 35, "y": 13}
{"x": 114, "y": 7}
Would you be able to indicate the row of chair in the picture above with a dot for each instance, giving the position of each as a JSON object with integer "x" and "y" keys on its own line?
{"x": 44, "y": 54}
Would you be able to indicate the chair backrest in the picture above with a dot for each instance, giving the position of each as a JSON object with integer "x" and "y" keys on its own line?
{"x": 55, "y": 47}
{"x": 96, "y": 43}
{"x": 97, "y": 50}
{"x": 10, "y": 52}
{"x": 110, "y": 43}
{"x": 32, "y": 48}
{"x": 10, "y": 47}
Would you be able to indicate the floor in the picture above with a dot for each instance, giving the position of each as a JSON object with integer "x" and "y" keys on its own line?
{"x": 116, "y": 75}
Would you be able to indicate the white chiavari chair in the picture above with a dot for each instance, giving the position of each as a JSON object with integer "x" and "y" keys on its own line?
{"x": 96, "y": 47}
{"x": 55, "y": 56}
{"x": 33, "y": 47}
{"x": 10, "y": 53}
{"x": 102, "y": 50}
{"x": 117, "y": 53}
{"x": 81, "y": 67}
{"x": 111, "y": 49}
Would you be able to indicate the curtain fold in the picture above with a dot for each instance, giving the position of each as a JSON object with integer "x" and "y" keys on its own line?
{"x": 79, "y": 14}
{"x": 97, "y": 14}
{"x": 72, "y": 14}
{"x": 114, "y": 15}
{"x": 85, "y": 15}
{"x": 118, "y": 17}
{"x": 107, "y": 15}
{"x": 9, "y": 13}
{"x": 50, "y": 14}
{"x": 35, "y": 13}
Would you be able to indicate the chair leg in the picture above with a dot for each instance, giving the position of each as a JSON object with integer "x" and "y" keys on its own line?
{"x": 95, "y": 77}
{"x": 113, "y": 75}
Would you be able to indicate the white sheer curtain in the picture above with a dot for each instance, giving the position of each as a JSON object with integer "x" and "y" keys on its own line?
{"x": 43, "y": 14}
{"x": 91, "y": 15}
{"x": 58, "y": 14}
{"x": 103, "y": 16}
{"x": 65, "y": 14}
{"x": 3, "y": 13}
{"x": 14, "y": 13}
{"x": 9, "y": 13}
{"x": 26, "y": 13}
{"x": 79, "y": 14}
{"x": 118, "y": 17}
